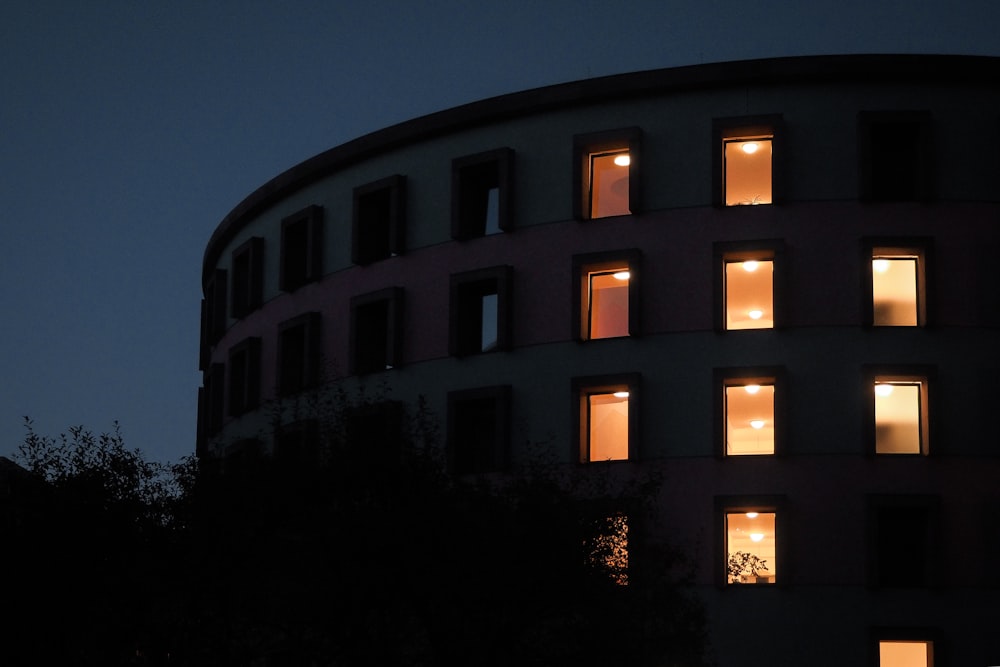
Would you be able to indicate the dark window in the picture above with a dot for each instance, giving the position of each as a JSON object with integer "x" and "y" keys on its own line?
{"x": 606, "y": 417}
{"x": 301, "y": 248}
{"x": 894, "y": 155}
{"x": 903, "y": 540}
{"x": 298, "y": 443}
{"x": 606, "y": 177}
{"x": 374, "y": 431}
{"x": 379, "y": 220}
{"x": 480, "y": 311}
{"x": 298, "y": 354}
{"x": 748, "y": 284}
{"x": 215, "y": 307}
{"x": 214, "y": 396}
{"x": 746, "y": 152}
{"x": 479, "y": 429}
{"x": 606, "y": 294}
{"x": 244, "y": 376}
{"x": 894, "y": 281}
{"x": 248, "y": 277}
{"x": 376, "y": 331}
{"x": 481, "y": 194}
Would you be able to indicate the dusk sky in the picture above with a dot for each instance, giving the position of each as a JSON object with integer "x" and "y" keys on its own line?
{"x": 128, "y": 130}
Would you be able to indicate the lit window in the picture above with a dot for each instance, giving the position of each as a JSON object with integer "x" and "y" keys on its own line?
{"x": 749, "y": 294}
{"x": 607, "y": 294}
{"x": 301, "y": 248}
{"x": 900, "y": 415}
{"x": 749, "y": 419}
{"x": 606, "y": 179}
{"x": 607, "y": 550}
{"x": 751, "y": 547}
{"x": 902, "y": 653}
{"x": 248, "y": 277}
{"x": 894, "y": 156}
{"x": 480, "y": 311}
{"x": 606, "y": 417}
{"x": 479, "y": 429}
{"x": 898, "y": 292}
{"x": 379, "y": 220}
{"x": 298, "y": 354}
{"x": 375, "y": 337}
{"x": 743, "y": 152}
{"x": 481, "y": 194}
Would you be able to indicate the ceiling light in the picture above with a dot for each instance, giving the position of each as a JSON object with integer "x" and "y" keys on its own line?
{"x": 750, "y": 147}
{"x": 621, "y": 394}
{"x": 880, "y": 265}
{"x": 751, "y": 515}
{"x": 623, "y": 160}
{"x": 750, "y": 265}
{"x": 756, "y": 314}
{"x": 757, "y": 423}
{"x": 756, "y": 537}
{"x": 622, "y": 275}
{"x": 883, "y": 389}
{"x": 752, "y": 388}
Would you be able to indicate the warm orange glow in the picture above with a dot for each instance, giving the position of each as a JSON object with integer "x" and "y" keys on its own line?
{"x": 609, "y": 550}
{"x": 750, "y": 295}
{"x": 753, "y": 534}
{"x": 898, "y": 418}
{"x": 623, "y": 160}
{"x": 608, "y": 185}
{"x": 748, "y": 171}
{"x": 894, "y": 291}
{"x": 607, "y": 426}
{"x": 905, "y": 654}
{"x": 607, "y": 303}
{"x": 749, "y": 420}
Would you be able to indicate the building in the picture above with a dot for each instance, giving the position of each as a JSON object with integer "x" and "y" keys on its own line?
{"x": 772, "y": 280}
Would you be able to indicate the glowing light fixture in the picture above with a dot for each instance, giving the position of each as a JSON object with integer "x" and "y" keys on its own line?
{"x": 751, "y": 515}
{"x": 622, "y": 275}
{"x": 750, "y": 147}
{"x": 752, "y": 388}
{"x": 757, "y": 423}
{"x": 750, "y": 265}
{"x": 880, "y": 265}
{"x": 756, "y": 314}
{"x": 883, "y": 389}
{"x": 623, "y": 160}
{"x": 621, "y": 394}
{"x": 756, "y": 537}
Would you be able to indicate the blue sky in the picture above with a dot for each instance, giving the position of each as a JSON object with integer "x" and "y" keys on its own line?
{"x": 128, "y": 130}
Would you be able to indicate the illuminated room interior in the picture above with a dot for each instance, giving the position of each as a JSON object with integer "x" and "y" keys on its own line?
{"x": 609, "y": 174}
{"x": 749, "y": 419}
{"x": 748, "y": 171}
{"x": 750, "y": 294}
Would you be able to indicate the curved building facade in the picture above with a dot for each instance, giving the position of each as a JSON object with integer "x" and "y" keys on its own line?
{"x": 771, "y": 281}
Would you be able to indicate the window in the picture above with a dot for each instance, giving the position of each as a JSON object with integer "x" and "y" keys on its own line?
{"x": 895, "y": 287}
{"x": 375, "y": 429}
{"x": 746, "y": 285}
{"x": 244, "y": 376}
{"x": 214, "y": 397}
{"x": 298, "y": 354}
{"x": 481, "y": 189}
{"x": 480, "y": 314}
{"x": 898, "y": 417}
{"x": 298, "y": 443}
{"x": 606, "y": 413}
{"x": 903, "y": 540}
{"x": 248, "y": 277}
{"x": 894, "y": 155}
{"x": 606, "y": 173}
{"x": 241, "y": 456}
{"x": 743, "y": 159}
{"x": 606, "y": 294}
{"x": 905, "y": 649}
{"x": 479, "y": 429}
{"x": 301, "y": 248}
{"x": 215, "y": 307}
{"x": 376, "y": 335}
{"x": 749, "y": 415}
{"x": 379, "y": 220}
{"x": 607, "y": 549}
{"x": 751, "y": 548}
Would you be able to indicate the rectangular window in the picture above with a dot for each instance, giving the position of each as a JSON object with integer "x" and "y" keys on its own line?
{"x": 301, "y": 248}
{"x": 895, "y": 289}
{"x": 215, "y": 307}
{"x": 480, "y": 313}
{"x": 606, "y": 294}
{"x": 214, "y": 396}
{"x": 375, "y": 429}
{"x": 749, "y": 419}
{"x": 299, "y": 443}
{"x": 905, "y": 653}
{"x": 298, "y": 354}
{"x": 746, "y": 286}
{"x": 607, "y": 549}
{"x": 606, "y": 414}
{"x": 376, "y": 331}
{"x": 898, "y": 419}
{"x": 244, "y": 376}
{"x": 743, "y": 159}
{"x": 751, "y": 547}
{"x": 481, "y": 194}
{"x": 479, "y": 429}
{"x": 894, "y": 154}
{"x": 379, "y": 220}
{"x": 605, "y": 173}
{"x": 903, "y": 540}
{"x": 248, "y": 277}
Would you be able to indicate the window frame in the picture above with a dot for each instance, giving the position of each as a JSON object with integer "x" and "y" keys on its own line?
{"x": 930, "y": 504}
{"x": 214, "y": 395}
{"x": 922, "y": 166}
{"x": 310, "y": 324}
{"x": 465, "y": 177}
{"x": 735, "y": 127}
{"x": 591, "y": 143}
{"x": 914, "y": 634}
{"x": 588, "y": 263}
{"x": 925, "y": 375}
{"x": 392, "y": 297}
{"x": 464, "y": 287}
{"x": 498, "y": 459}
{"x": 247, "y": 290}
{"x": 362, "y": 251}
{"x": 581, "y": 389}
{"x": 922, "y": 247}
{"x": 216, "y": 318}
{"x": 726, "y": 252}
{"x": 775, "y": 376}
{"x": 738, "y": 504}
{"x": 243, "y": 394}
{"x": 311, "y": 218}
